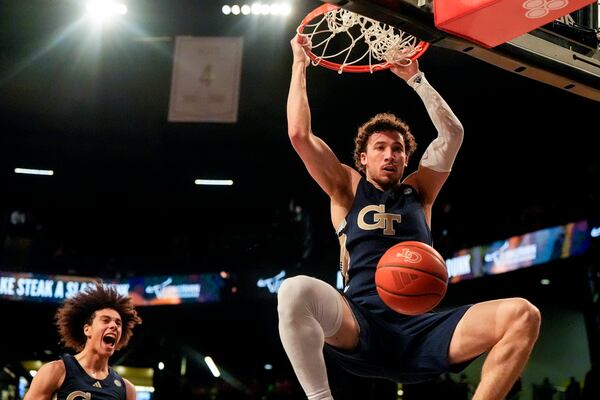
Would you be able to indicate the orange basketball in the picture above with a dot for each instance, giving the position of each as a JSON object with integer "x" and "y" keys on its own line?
{"x": 411, "y": 278}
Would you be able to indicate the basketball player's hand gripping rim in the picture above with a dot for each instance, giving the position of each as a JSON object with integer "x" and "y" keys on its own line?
{"x": 406, "y": 71}
{"x": 300, "y": 45}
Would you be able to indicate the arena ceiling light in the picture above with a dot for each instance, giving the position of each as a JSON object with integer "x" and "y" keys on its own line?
{"x": 30, "y": 171}
{"x": 212, "y": 366}
{"x": 104, "y": 10}
{"x": 257, "y": 9}
{"x": 214, "y": 182}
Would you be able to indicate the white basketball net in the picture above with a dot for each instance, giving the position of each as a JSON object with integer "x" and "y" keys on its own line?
{"x": 384, "y": 43}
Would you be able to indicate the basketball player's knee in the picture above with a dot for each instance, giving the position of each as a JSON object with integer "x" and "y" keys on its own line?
{"x": 294, "y": 288}
{"x": 302, "y": 299}
{"x": 293, "y": 294}
{"x": 525, "y": 317}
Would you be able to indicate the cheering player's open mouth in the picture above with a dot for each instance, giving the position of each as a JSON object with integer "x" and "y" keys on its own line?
{"x": 110, "y": 340}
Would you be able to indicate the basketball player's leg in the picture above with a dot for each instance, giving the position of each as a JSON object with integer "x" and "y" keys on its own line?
{"x": 310, "y": 313}
{"x": 507, "y": 329}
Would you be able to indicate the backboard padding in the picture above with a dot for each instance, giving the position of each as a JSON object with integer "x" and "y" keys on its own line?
{"x": 545, "y": 54}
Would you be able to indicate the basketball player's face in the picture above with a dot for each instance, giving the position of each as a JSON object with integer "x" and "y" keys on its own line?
{"x": 385, "y": 158}
{"x": 105, "y": 331}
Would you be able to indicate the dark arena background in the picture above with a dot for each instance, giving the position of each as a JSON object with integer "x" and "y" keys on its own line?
{"x": 103, "y": 107}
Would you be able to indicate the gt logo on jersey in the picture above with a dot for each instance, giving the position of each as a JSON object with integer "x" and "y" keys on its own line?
{"x": 382, "y": 219}
{"x": 79, "y": 395}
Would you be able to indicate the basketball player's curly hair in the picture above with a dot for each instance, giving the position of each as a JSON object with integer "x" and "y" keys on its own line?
{"x": 379, "y": 123}
{"x": 80, "y": 310}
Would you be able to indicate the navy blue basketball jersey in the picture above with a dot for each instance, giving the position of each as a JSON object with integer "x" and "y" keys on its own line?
{"x": 377, "y": 221}
{"x": 78, "y": 385}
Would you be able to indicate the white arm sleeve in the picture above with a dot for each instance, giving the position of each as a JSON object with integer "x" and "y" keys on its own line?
{"x": 441, "y": 152}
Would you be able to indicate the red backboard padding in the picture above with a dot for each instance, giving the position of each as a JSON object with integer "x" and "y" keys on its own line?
{"x": 493, "y": 22}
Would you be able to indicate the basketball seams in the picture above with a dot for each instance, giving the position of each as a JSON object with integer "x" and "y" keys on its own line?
{"x": 444, "y": 280}
{"x": 438, "y": 295}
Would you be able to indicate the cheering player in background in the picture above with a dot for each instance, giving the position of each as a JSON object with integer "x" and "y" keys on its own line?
{"x": 95, "y": 323}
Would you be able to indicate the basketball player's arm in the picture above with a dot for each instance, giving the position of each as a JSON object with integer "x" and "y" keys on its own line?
{"x": 320, "y": 161}
{"x": 437, "y": 160}
{"x": 47, "y": 381}
{"x": 130, "y": 390}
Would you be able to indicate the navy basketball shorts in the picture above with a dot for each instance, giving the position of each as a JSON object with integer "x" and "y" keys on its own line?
{"x": 401, "y": 348}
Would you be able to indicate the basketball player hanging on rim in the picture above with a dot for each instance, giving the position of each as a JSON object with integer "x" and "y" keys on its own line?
{"x": 95, "y": 322}
{"x": 356, "y": 329}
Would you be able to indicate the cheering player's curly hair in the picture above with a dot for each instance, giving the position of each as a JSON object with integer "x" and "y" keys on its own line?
{"x": 80, "y": 310}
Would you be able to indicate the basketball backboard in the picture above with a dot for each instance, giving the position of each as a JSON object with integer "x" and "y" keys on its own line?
{"x": 564, "y": 53}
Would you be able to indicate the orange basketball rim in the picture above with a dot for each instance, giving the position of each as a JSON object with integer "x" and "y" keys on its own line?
{"x": 344, "y": 41}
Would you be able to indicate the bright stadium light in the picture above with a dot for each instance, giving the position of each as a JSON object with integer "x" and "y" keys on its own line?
{"x": 29, "y": 171}
{"x": 212, "y": 366}
{"x": 103, "y": 10}
{"x": 214, "y": 182}
{"x": 258, "y": 8}
{"x": 285, "y": 9}
{"x": 274, "y": 8}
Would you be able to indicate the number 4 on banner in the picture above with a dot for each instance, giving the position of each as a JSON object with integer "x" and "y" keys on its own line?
{"x": 206, "y": 79}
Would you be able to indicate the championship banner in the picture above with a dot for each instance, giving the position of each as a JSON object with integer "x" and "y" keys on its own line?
{"x": 144, "y": 291}
{"x": 205, "y": 82}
